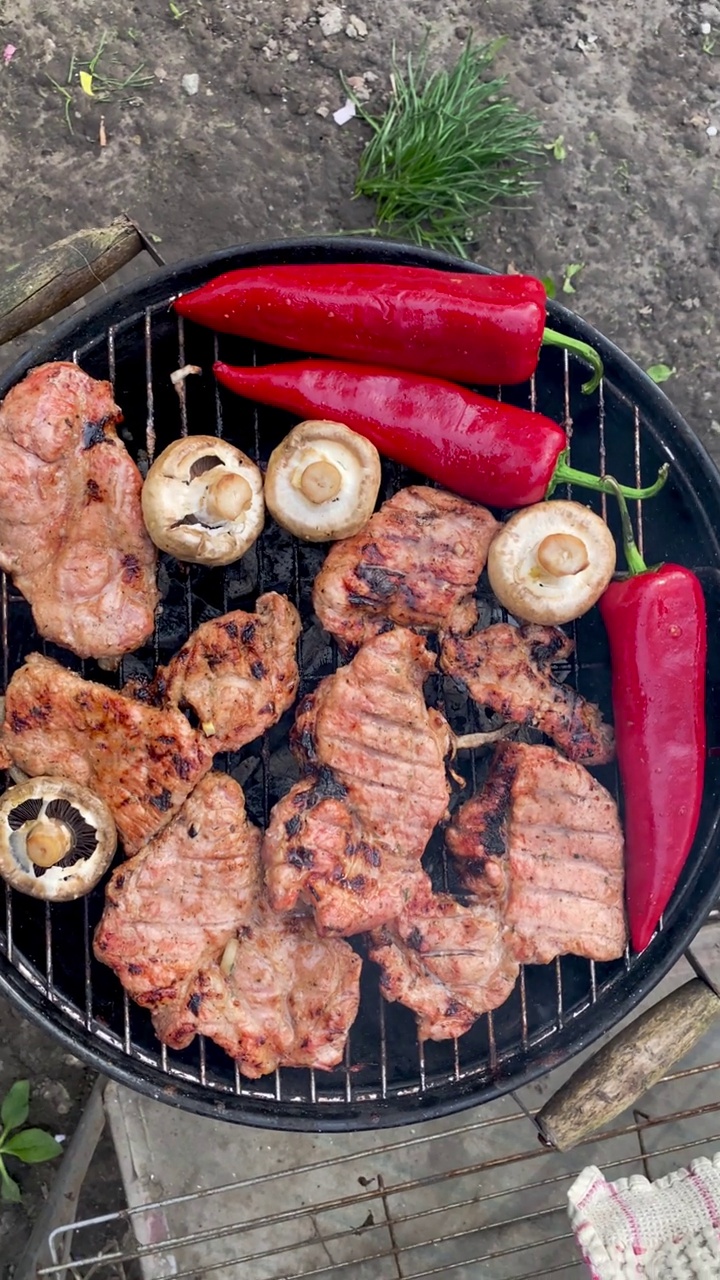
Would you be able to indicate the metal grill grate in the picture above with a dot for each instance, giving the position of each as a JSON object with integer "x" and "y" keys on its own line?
{"x": 387, "y": 1074}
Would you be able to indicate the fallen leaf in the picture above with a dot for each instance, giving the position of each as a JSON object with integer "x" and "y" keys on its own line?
{"x": 660, "y": 372}
{"x": 86, "y": 83}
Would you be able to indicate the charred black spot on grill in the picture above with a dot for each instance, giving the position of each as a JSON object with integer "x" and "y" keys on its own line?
{"x": 474, "y": 866}
{"x": 231, "y": 628}
{"x": 135, "y": 968}
{"x": 28, "y": 811}
{"x": 300, "y": 856}
{"x": 167, "y": 739}
{"x": 257, "y": 669}
{"x": 120, "y": 882}
{"x": 192, "y": 831}
{"x": 131, "y": 568}
{"x": 40, "y": 714}
{"x": 383, "y": 583}
{"x": 18, "y": 723}
{"x": 453, "y": 1009}
{"x": 194, "y": 1002}
{"x": 181, "y": 766}
{"x": 214, "y": 658}
{"x": 415, "y": 939}
{"x": 325, "y": 787}
{"x": 248, "y": 632}
{"x": 93, "y": 491}
{"x": 292, "y": 826}
{"x": 245, "y": 932}
{"x": 387, "y": 625}
{"x": 94, "y": 432}
{"x": 163, "y": 802}
{"x": 357, "y": 884}
{"x": 207, "y": 463}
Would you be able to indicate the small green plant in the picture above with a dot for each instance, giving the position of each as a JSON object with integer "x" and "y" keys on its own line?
{"x": 177, "y": 13}
{"x": 450, "y": 145}
{"x": 31, "y": 1146}
{"x": 97, "y": 83}
{"x": 557, "y": 146}
{"x": 569, "y": 272}
{"x": 661, "y": 372}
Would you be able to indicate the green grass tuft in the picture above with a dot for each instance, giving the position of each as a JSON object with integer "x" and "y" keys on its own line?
{"x": 450, "y": 145}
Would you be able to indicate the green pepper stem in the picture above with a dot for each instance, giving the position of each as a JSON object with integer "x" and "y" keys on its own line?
{"x": 565, "y": 474}
{"x": 635, "y": 562}
{"x": 551, "y": 338}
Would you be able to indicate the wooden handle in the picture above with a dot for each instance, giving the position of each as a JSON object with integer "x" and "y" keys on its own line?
{"x": 636, "y": 1059}
{"x": 62, "y": 273}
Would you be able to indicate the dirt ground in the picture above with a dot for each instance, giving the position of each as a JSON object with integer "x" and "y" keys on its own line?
{"x": 254, "y": 154}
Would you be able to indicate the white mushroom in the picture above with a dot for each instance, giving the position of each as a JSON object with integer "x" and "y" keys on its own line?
{"x": 56, "y": 839}
{"x": 202, "y": 501}
{"x": 322, "y": 482}
{"x": 551, "y": 562}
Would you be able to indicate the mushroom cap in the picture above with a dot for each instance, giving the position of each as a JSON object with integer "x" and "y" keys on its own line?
{"x": 43, "y": 807}
{"x": 338, "y": 467}
{"x": 522, "y": 582}
{"x": 202, "y": 501}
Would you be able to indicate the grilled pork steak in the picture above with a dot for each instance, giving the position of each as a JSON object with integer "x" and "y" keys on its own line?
{"x": 71, "y": 528}
{"x": 238, "y": 673}
{"x": 509, "y": 670}
{"x": 143, "y": 762}
{"x": 191, "y": 938}
{"x": 543, "y": 842}
{"x": 447, "y": 962}
{"x": 345, "y": 839}
{"x": 415, "y": 564}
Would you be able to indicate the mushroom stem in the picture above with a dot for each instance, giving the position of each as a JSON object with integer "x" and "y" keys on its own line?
{"x": 47, "y": 842}
{"x": 563, "y": 555}
{"x": 320, "y": 482}
{"x": 227, "y": 497}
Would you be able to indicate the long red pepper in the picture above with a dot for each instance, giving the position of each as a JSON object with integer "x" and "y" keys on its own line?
{"x": 494, "y": 453}
{"x": 485, "y": 329}
{"x": 656, "y": 625}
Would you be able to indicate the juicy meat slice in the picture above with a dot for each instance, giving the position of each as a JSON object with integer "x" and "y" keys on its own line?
{"x": 288, "y": 1000}
{"x": 446, "y": 961}
{"x": 368, "y": 723}
{"x": 346, "y": 838}
{"x": 315, "y": 851}
{"x": 71, "y": 527}
{"x": 543, "y": 840}
{"x": 509, "y": 669}
{"x": 415, "y": 564}
{"x": 142, "y": 761}
{"x": 171, "y": 909}
{"x": 238, "y": 673}
{"x": 190, "y": 936}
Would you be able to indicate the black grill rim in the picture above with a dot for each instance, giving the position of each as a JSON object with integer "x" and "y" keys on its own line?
{"x": 700, "y": 481}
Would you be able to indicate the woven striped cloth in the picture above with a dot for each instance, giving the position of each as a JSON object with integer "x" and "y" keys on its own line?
{"x": 634, "y": 1229}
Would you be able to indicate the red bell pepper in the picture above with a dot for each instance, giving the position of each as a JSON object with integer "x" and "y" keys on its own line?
{"x": 481, "y": 449}
{"x": 485, "y": 329}
{"x": 656, "y": 625}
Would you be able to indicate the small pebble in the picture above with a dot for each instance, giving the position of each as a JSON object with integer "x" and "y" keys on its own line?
{"x": 191, "y": 83}
{"x": 331, "y": 22}
{"x": 293, "y": 55}
{"x": 711, "y": 131}
{"x": 356, "y": 28}
{"x": 705, "y": 28}
{"x": 323, "y": 111}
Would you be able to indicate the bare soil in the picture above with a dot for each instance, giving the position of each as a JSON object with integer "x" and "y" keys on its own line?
{"x": 632, "y": 87}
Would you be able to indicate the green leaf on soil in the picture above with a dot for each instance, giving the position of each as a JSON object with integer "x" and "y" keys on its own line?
{"x": 16, "y": 1105}
{"x": 569, "y": 272}
{"x": 549, "y": 286}
{"x": 660, "y": 372}
{"x": 557, "y": 146}
{"x": 32, "y": 1146}
{"x": 9, "y": 1189}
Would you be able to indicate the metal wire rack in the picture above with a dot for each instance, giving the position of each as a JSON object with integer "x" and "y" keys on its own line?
{"x": 477, "y": 1198}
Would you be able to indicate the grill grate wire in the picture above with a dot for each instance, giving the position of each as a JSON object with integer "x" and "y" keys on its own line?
{"x": 370, "y": 1073}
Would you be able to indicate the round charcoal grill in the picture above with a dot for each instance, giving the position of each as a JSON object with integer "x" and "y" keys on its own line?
{"x": 628, "y": 428}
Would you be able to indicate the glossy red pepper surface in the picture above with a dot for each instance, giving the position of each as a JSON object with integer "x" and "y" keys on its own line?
{"x": 457, "y": 325}
{"x": 656, "y": 624}
{"x": 481, "y": 449}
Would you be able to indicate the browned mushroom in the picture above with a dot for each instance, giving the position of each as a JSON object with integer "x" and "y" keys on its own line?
{"x": 56, "y": 838}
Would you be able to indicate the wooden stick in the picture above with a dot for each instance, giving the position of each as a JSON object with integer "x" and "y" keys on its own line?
{"x": 62, "y": 273}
